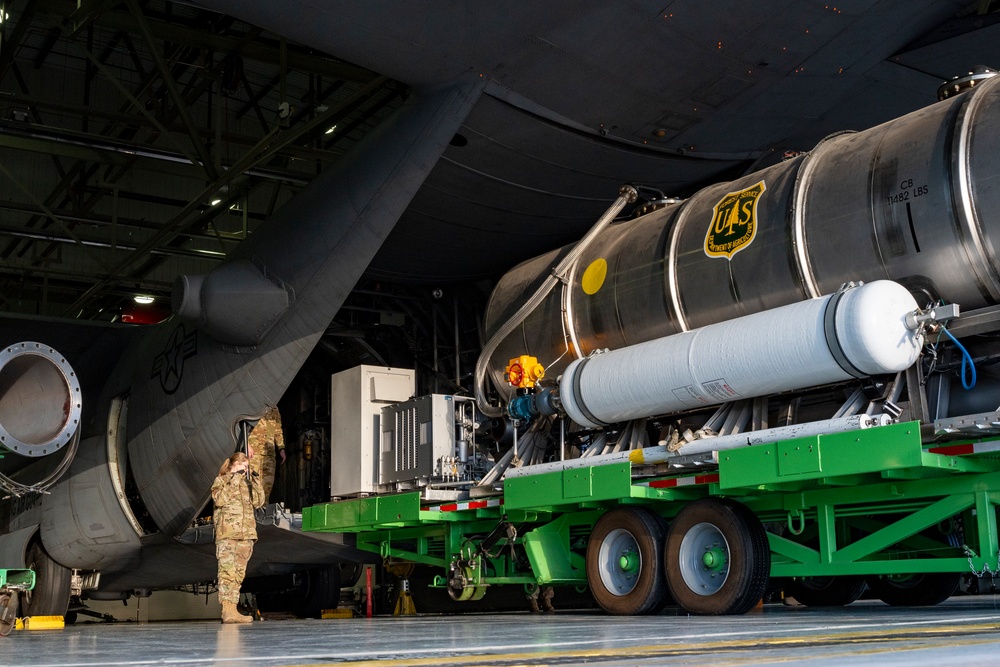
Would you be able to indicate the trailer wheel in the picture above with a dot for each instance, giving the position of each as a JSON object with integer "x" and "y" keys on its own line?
{"x": 50, "y": 596}
{"x": 624, "y": 556}
{"x": 8, "y": 612}
{"x": 826, "y": 591}
{"x": 458, "y": 588}
{"x": 717, "y": 558}
{"x": 915, "y": 590}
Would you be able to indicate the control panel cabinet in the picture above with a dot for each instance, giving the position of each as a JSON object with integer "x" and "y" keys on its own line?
{"x": 357, "y": 397}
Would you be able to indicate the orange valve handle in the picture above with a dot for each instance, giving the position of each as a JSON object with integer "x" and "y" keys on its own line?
{"x": 515, "y": 374}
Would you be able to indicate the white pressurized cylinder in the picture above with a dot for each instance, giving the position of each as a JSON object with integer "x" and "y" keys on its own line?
{"x": 856, "y": 332}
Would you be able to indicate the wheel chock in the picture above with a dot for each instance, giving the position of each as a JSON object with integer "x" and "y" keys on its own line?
{"x": 41, "y": 623}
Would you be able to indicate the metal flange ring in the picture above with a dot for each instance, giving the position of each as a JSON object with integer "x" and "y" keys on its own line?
{"x": 40, "y": 400}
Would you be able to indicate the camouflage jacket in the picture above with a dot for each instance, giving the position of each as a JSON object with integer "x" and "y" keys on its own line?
{"x": 267, "y": 435}
{"x": 235, "y": 500}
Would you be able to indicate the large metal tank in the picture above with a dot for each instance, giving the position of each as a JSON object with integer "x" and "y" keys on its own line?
{"x": 913, "y": 200}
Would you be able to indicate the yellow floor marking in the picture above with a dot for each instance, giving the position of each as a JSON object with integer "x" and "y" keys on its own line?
{"x": 697, "y": 649}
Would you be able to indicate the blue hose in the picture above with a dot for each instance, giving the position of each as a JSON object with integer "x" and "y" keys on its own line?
{"x": 966, "y": 362}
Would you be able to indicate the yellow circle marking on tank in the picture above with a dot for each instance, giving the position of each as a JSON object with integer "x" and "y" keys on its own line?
{"x": 593, "y": 277}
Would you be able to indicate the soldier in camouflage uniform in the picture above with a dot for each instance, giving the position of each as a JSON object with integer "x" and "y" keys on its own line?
{"x": 236, "y": 492}
{"x": 265, "y": 437}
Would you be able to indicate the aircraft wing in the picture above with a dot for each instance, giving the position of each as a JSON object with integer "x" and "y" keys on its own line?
{"x": 581, "y": 97}
{"x": 281, "y": 547}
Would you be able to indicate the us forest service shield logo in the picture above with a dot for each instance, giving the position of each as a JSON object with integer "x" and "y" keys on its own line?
{"x": 734, "y": 223}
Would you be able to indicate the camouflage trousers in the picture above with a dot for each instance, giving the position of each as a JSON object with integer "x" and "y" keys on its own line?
{"x": 232, "y": 556}
{"x": 265, "y": 465}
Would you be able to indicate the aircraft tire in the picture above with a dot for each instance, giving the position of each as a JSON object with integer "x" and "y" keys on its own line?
{"x": 50, "y": 596}
{"x": 915, "y": 590}
{"x": 826, "y": 591}
{"x": 322, "y": 591}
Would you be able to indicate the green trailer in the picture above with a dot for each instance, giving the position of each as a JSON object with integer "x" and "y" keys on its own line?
{"x": 12, "y": 581}
{"x": 827, "y": 515}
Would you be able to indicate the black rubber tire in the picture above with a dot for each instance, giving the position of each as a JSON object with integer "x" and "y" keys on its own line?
{"x": 350, "y": 573}
{"x": 826, "y": 591}
{"x": 50, "y": 596}
{"x": 321, "y": 591}
{"x": 744, "y": 545}
{"x": 612, "y": 585}
{"x": 665, "y": 599}
{"x": 8, "y": 613}
{"x": 916, "y": 590}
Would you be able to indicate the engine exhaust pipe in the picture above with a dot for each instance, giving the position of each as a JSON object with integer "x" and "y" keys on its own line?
{"x": 40, "y": 407}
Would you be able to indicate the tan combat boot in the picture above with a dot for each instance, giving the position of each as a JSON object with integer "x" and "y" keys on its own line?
{"x": 231, "y": 615}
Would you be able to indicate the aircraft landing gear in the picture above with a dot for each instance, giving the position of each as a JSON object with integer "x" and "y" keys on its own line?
{"x": 50, "y": 596}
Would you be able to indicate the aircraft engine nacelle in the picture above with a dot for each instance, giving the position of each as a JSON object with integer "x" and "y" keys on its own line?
{"x": 912, "y": 200}
{"x": 236, "y": 303}
{"x": 40, "y": 408}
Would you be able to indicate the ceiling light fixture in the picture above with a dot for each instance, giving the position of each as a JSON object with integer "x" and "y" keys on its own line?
{"x": 216, "y": 202}
{"x": 331, "y": 129}
{"x": 144, "y": 299}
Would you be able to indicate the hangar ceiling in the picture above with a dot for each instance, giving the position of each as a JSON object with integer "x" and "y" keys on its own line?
{"x": 143, "y": 139}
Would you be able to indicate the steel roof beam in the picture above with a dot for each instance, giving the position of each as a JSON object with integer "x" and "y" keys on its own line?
{"x": 18, "y": 232}
{"x": 82, "y": 277}
{"x": 268, "y": 146}
{"x": 102, "y": 220}
{"x": 133, "y": 103}
{"x": 255, "y": 99}
{"x": 36, "y": 116}
{"x": 10, "y": 44}
{"x": 46, "y": 210}
{"x": 180, "y": 104}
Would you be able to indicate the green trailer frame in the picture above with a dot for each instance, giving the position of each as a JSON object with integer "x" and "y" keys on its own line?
{"x": 872, "y": 502}
{"x": 17, "y": 579}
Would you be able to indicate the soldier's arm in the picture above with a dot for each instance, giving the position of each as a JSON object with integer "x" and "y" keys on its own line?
{"x": 256, "y": 491}
{"x": 279, "y": 442}
{"x": 217, "y": 490}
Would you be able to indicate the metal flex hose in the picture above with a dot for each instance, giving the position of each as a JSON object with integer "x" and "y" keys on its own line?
{"x": 627, "y": 194}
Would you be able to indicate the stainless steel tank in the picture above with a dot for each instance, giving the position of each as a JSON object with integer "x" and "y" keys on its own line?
{"x": 915, "y": 200}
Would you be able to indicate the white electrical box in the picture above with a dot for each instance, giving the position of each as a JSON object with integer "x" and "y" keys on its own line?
{"x": 357, "y": 397}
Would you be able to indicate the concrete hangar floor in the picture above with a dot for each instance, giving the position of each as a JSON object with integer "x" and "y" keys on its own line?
{"x": 962, "y": 630}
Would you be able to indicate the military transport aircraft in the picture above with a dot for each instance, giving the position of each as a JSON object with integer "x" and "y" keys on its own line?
{"x": 523, "y": 121}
